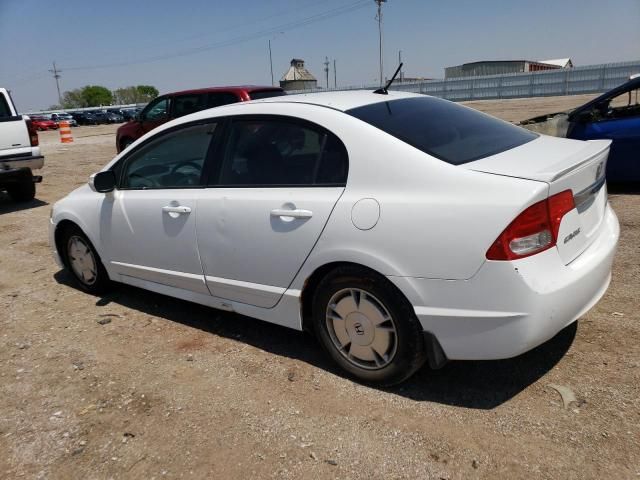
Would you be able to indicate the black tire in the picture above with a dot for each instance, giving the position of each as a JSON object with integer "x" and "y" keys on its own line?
{"x": 96, "y": 284}
{"x": 23, "y": 191}
{"x": 404, "y": 356}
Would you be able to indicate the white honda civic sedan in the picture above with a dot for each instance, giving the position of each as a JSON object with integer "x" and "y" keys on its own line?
{"x": 399, "y": 228}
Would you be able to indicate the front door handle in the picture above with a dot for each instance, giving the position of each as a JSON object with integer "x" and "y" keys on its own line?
{"x": 176, "y": 209}
{"x": 298, "y": 213}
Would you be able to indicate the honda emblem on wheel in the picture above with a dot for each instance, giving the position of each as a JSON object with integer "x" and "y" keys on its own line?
{"x": 358, "y": 328}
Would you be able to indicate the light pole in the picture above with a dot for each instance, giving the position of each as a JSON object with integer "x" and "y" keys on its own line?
{"x": 379, "y": 17}
{"x": 271, "y": 58}
{"x": 271, "y": 62}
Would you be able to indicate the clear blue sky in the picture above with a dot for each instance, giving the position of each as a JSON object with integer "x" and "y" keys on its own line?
{"x": 85, "y": 37}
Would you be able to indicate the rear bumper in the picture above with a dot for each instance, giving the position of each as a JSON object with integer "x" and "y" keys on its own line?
{"x": 34, "y": 162}
{"x": 508, "y": 308}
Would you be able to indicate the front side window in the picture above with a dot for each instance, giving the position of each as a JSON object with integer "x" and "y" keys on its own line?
{"x": 443, "y": 129}
{"x": 159, "y": 110}
{"x": 276, "y": 152}
{"x": 624, "y": 105}
{"x": 175, "y": 160}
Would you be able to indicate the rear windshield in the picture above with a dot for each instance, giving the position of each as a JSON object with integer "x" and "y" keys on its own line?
{"x": 266, "y": 94}
{"x": 443, "y": 129}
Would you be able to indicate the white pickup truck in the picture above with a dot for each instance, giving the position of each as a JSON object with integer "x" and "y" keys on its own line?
{"x": 19, "y": 152}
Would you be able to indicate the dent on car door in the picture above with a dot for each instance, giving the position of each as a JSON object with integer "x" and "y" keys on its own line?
{"x": 277, "y": 183}
{"x": 148, "y": 224}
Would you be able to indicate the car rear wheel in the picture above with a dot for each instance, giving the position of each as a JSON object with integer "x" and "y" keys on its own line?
{"x": 83, "y": 261}
{"x": 23, "y": 191}
{"x": 367, "y": 327}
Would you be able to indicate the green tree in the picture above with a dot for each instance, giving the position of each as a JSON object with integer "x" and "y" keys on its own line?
{"x": 146, "y": 93}
{"x": 96, "y": 95}
{"x": 137, "y": 94}
{"x": 124, "y": 96}
{"x": 73, "y": 99}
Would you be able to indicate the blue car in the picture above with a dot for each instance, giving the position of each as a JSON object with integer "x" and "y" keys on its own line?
{"x": 614, "y": 115}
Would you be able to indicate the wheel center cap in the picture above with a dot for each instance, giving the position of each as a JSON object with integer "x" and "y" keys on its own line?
{"x": 359, "y": 328}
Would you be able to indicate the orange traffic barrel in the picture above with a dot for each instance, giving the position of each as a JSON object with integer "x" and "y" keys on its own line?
{"x": 65, "y": 133}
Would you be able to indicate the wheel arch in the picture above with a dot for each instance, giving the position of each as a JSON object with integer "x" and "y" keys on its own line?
{"x": 65, "y": 223}
{"x": 313, "y": 281}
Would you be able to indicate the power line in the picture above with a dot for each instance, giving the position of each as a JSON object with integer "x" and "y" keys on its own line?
{"x": 240, "y": 39}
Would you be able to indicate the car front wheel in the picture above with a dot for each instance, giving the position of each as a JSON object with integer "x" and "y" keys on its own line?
{"x": 367, "y": 327}
{"x": 83, "y": 261}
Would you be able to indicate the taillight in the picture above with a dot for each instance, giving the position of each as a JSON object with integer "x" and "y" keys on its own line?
{"x": 534, "y": 230}
{"x": 33, "y": 133}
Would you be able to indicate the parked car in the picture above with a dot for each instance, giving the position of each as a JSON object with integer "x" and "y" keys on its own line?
{"x": 130, "y": 114}
{"x": 101, "y": 117}
{"x": 398, "y": 227}
{"x": 84, "y": 118}
{"x": 114, "y": 117}
{"x": 41, "y": 122}
{"x": 615, "y": 116}
{"x": 64, "y": 117}
{"x": 19, "y": 152}
{"x": 177, "y": 104}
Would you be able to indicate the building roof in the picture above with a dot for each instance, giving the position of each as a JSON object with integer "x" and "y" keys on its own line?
{"x": 297, "y": 71}
{"x": 559, "y": 62}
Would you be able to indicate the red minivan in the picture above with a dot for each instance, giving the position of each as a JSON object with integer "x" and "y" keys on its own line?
{"x": 174, "y": 105}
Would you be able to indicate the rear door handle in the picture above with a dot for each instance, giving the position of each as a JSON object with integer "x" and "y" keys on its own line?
{"x": 298, "y": 213}
{"x": 178, "y": 209}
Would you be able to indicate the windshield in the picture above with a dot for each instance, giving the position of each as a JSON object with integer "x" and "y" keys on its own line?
{"x": 443, "y": 129}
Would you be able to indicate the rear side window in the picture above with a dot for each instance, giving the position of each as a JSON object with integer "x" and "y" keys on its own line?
{"x": 219, "y": 99}
{"x": 280, "y": 152}
{"x": 443, "y": 129}
{"x": 186, "y": 104}
{"x": 266, "y": 94}
{"x": 4, "y": 107}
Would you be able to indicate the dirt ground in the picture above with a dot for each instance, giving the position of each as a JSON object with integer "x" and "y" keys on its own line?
{"x": 138, "y": 385}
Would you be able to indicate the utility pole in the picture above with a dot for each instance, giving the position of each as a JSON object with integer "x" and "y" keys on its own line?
{"x": 379, "y": 18}
{"x": 335, "y": 75}
{"x": 326, "y": 70}
{"x": 271, "y": 62}
{"x": 56, "y": 75}
{"x": 400, "y": 63}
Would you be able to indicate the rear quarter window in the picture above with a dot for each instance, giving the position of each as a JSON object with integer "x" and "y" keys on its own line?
{"x": 443, "y": 129}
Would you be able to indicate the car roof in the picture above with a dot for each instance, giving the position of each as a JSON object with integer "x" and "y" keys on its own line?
{"x": 344, "y": 100}
{"x": 231, "y": 89}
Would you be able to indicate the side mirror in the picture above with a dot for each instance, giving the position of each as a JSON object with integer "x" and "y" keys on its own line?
{"x": 103, "y": 182}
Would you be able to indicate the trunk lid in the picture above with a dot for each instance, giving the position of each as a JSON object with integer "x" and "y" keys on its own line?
{"x": 564, "y": 165}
